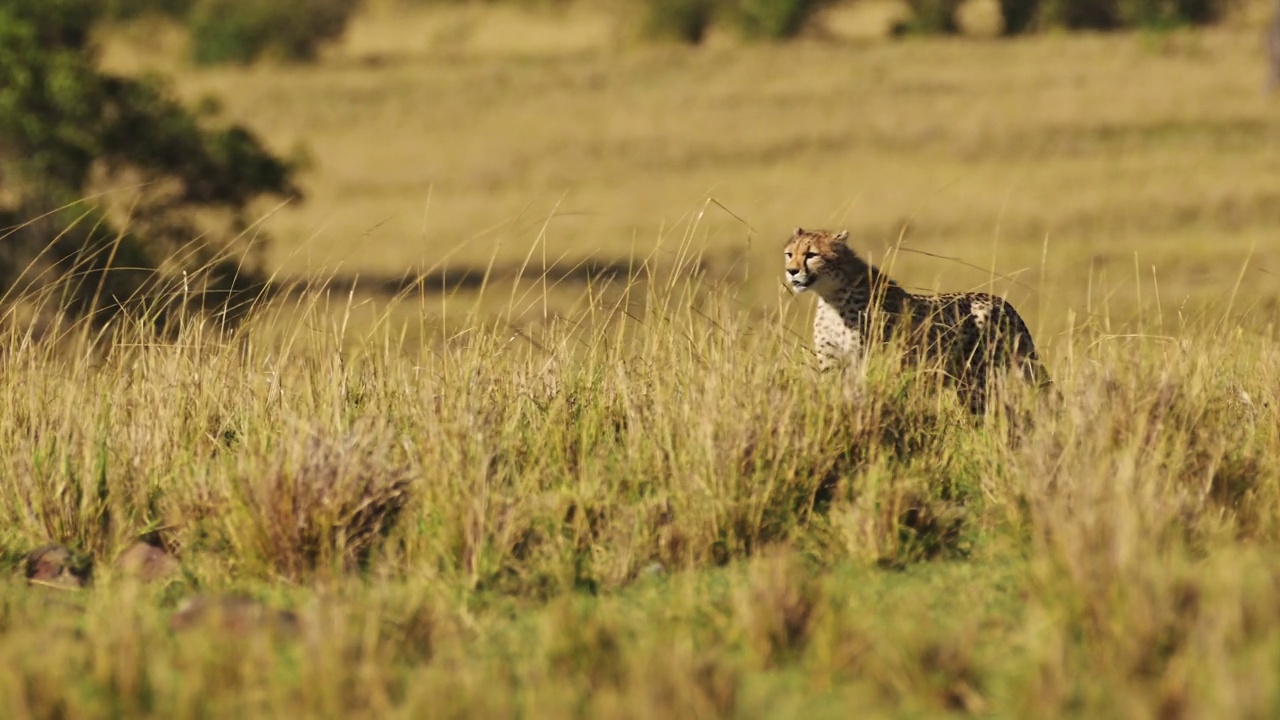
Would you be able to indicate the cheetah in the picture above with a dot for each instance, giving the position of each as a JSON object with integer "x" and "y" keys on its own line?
{"x": 970, "y": 336}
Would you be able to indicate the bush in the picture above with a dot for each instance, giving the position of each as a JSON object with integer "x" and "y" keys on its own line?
{"x": 933, "y": 16}
{"x": 1019, "y": 15}
{"x": 1111, "y": 14}
{"x": 682, "y": 20}
{"x": 242, "y": 31}
{"x": 773, "y": 19}
{"x": 1170, "y": 13}
{"x": 67, "y": 129}
{"x": 1080, "y": 14}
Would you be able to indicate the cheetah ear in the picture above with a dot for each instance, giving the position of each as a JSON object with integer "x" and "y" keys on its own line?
{"x": 798, "y": 231}
{"x": 841, "y": 237}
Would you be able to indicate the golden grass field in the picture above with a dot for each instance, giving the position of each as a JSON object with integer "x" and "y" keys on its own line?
{"x": 1139, "y": 170}
{"x": 635, "y": 497}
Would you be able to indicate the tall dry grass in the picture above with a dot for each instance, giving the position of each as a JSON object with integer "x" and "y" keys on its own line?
{"x": 651, "y": 506}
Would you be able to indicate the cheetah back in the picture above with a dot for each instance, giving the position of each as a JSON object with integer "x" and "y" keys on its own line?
{"x": 975, "y": 335}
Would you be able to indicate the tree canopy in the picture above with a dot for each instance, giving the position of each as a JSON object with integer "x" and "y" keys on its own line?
{"x": 68, "y": 128}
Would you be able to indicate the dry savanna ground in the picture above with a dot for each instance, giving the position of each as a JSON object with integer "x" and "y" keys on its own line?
{"x": 623, "y": 490}
{"x": 1143, "y": 170}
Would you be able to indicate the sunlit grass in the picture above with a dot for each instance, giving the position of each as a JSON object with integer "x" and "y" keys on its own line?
{"x": 653, "y": 505}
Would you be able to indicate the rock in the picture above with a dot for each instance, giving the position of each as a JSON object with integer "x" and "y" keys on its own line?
{"x": 58, "y": 566}
{"x": 147, "y": 563}
{"x": 233, "y": 614}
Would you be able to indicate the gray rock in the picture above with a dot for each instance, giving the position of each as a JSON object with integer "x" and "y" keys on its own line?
{"x": 58, "y": 566}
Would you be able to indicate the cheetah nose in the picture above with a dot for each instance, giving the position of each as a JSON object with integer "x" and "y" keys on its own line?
{"x": 793, "y": 271}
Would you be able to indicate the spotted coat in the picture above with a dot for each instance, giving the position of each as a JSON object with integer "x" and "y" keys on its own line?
{"x": 969, "y": 336}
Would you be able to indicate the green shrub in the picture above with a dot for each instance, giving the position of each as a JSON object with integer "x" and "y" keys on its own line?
{"x": 241, "y": 31}
{"x": 682, "y": 20}
{"x": 1019, "y": 15}
{"x": 64, "y": 123}
{"x": 1110, "y": 14}
{"x": 1079, "y": 14}
{"x": 772, "y": 19}
{"x": 933, "y": 16}
{"x": 1170, "y": 13}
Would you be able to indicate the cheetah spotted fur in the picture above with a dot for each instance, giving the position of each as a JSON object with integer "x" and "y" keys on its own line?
{"x": 972, "y": 337}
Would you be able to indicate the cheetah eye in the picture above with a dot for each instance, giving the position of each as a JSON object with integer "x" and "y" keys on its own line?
{"x": 787, "y": 254}
{"x": 810, "y": 254}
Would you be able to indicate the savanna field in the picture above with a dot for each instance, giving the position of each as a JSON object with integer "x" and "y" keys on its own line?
{"x": 533, "y": 428}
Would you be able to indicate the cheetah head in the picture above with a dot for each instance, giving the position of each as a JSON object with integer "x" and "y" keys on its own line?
{"x": 810, "y": 255}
